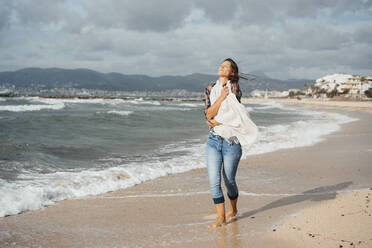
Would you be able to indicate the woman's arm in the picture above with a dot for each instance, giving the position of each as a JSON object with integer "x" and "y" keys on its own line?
{"x": 212, "y": 123}
{"x": 211, "y": 112}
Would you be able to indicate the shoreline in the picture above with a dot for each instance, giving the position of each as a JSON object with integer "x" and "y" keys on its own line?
{"x": 294, "y": 130}
{"x": 317, "y": 103}
{"x": 151, "y": 196}
{"x": 124, "y": 174}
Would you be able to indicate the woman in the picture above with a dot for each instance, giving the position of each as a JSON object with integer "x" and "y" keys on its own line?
{"x": 223, "y": 146}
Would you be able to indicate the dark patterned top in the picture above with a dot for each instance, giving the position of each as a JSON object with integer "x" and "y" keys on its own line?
{"x": 207, "y": 92}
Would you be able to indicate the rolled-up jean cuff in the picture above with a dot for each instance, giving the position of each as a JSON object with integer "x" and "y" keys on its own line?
{"x": 219, "y": 200}
{"x": 233, "y": 198}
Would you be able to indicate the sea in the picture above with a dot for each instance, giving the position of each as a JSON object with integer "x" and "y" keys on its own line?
{"x": 55, "y": 149}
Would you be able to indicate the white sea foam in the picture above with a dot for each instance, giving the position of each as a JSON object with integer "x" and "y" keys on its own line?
{"x": 297, "y": 134}
{"x": 249, "y": 109}
{"x": 52, "y": 101}
{"x": 167, "y": 108}
{"x": 138, "y": 101}
{"x": 60, "y": 103}
{"x": 31, "y": 107}
{"x": 37, "y": 190}
{"x": 193, "y": 105}
{"x": 272, "y": 105}
{"x": 120, "y": 112}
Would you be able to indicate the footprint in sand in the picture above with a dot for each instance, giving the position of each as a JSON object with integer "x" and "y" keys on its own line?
{"x": 210, "y": 217}
{"x": 214, "y": 216}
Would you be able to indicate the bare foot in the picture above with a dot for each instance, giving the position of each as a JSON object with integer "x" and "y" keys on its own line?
{"x": 217, "y": 223}
{"x": 230, "y": 214}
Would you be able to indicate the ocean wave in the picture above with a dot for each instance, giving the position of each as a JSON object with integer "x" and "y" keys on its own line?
{"x": 249, "y": 109}
{"x": 59, "y": 103}
{"x": 52, "y": 101}
{"x": 273, "y": 105}
{"x": 192, "y": 105}
{"x": 30, "y": 107}
{"x": 167, "y": 108}
{"x": 298, "y": 133}
{"x": 47, "y": 189}
{"x": 140, "y": 101}
{"x": 95, "y": 101}
{"x": 120, "y": 112}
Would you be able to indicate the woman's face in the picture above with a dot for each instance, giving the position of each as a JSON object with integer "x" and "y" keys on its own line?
{"x": 224, "y": 70}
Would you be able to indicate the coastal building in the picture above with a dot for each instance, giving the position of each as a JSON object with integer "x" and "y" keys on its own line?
{"x": 294, "y": 90}
{"x": 277, "y": 93}
{"x": 343, "y": 84}
{"x": 284, "y": 93}
{"x": 4, "y": 91}
{"x": 269, "y": 94}
{"x": 258, "y": 93}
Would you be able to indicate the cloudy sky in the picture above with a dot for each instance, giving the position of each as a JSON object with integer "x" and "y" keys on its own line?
{"x": 282, "y": 38}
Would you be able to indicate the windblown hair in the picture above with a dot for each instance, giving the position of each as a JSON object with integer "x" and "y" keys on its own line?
{"x": 234, "y": 77}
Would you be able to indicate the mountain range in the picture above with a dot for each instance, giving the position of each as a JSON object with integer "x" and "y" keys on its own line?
{"x": 48, "y": 78}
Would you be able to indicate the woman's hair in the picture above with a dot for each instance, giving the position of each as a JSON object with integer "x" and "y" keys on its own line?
{"x": 234, "y": 76}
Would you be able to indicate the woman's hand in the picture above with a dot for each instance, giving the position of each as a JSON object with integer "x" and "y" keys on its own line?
{"x": 224, "y": 92}
{"x": 213, "y": 123}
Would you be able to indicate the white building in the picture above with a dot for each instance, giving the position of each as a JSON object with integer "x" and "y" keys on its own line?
{"x": 258, "y": 93}
{"x": 342, "y": 82}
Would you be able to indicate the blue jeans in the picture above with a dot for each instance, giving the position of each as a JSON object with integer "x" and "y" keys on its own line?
{"x": 221, "y": 155}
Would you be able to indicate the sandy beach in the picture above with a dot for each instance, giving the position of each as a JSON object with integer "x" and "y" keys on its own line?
{"x": 314, "y": 196}
{"x": 341, "y": 222}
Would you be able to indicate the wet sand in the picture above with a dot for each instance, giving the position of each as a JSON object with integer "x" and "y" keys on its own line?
{"x": 174, "y": 211}
{"x": 322, "y": 103}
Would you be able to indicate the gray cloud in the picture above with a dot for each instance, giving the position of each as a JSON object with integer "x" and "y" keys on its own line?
{"x": 161, "y": 15}
{"x": 363, "y": 33}
{"x": 333, "y": 8}
{"x": 158, "y": 16}
{"x": 274, "y": 12}
{"x": 38, "y": 12}
{"x": 5, "y": 11}
{"x": 314, "y": 36}
{"x": 289, "y": 38}
{"x": 165, "y": 15}
{"x": 218, "y": 11}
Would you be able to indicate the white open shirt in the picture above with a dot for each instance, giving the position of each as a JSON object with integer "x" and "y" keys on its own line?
{"x": 234, "y": 117}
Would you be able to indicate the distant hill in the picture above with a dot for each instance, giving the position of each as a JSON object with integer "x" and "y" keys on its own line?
{"x": 89, "y": 79}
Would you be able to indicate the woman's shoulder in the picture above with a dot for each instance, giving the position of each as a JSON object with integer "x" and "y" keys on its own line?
{"x": 209, "y": 86}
